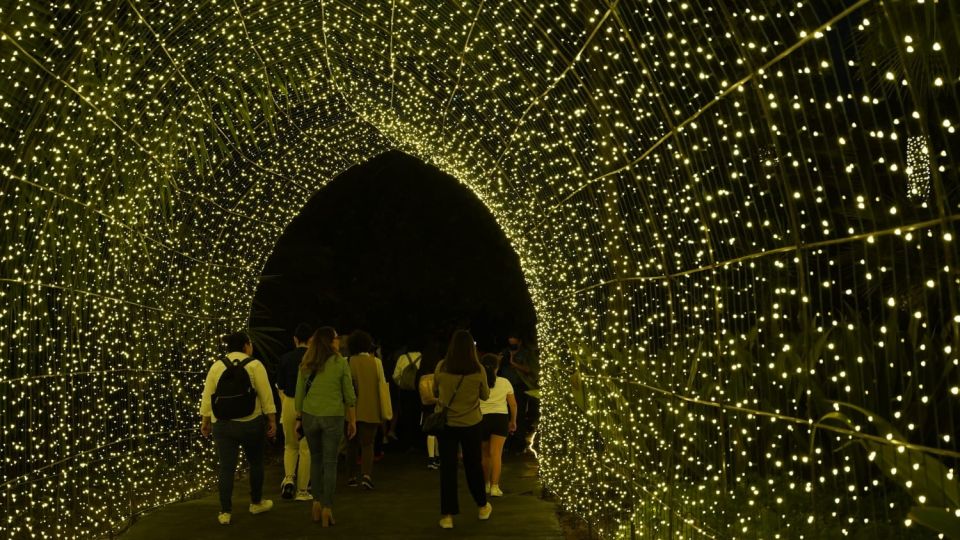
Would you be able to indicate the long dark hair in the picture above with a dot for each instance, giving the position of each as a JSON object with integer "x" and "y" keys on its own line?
{"x": 491, "y": 363}
{"x": 461, "y": 355}
{"x": 319, "y": 350}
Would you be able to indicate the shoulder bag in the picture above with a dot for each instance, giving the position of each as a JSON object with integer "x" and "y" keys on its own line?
{"x": 436, "y": 422}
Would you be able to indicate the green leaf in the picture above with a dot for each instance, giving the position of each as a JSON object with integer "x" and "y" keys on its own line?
{"x": 928, "y": 478}
{"x": 917, "y": 472}
{"x": 939, "y": 520}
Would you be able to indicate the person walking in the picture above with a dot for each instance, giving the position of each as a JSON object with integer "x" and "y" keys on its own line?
{"x": 520, "y": 365}
{"x": 294, "y": 446}
{"x": 428, "y": 401}
{"x": 237, "y": 408}
{"x": 366, "y": 370}
{"x": 460, "y": 384}
{"x": 499, "y": 420}
{"x": 405, "y": 375}
{"x": 324, "y": 396}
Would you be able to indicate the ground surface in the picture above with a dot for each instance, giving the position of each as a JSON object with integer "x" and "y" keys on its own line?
{"x": 404, "y": 505}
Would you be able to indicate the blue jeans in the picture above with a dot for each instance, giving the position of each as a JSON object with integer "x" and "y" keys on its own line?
{"x": 228, "y": 437}
{"x": 323, "y": 434}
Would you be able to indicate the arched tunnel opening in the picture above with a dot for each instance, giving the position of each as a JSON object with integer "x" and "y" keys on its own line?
{"x": 397, "y": 248}
{"x": 736, "y": 221}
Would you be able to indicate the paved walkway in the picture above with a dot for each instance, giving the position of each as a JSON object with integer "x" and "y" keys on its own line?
{"x": 405, "y": 505}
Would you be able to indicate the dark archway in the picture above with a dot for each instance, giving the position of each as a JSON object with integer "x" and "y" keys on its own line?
{"x": 399, "y": 248}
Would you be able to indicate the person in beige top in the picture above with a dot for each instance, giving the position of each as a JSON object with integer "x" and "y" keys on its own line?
{"x": 365, "y": 369}
{"x": 460, "y": 384}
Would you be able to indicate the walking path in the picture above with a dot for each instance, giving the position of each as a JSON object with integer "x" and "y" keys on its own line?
{"x": 404, "y": 505}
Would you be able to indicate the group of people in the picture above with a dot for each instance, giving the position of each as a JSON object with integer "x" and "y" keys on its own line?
{"x": 327, "y": 398}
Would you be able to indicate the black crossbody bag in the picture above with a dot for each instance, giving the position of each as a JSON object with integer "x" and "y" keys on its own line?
{"x": 436, "y": 422}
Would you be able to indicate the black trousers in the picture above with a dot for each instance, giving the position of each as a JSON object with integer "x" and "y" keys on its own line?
{"x": 408, "y": 420}
{"x": 469, "y": 439}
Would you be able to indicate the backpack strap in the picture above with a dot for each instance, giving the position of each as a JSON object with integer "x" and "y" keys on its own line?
{"x": 229, "y": 363}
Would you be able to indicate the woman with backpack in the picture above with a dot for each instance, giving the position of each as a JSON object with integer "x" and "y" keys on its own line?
{"x": 405, "y": 375}
{"x": 499, "y": 420}
{"x": 324, "y": 396}
{"x": 459, "y": 384}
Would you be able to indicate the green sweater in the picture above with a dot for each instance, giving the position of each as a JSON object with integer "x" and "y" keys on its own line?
{"x": 332, "y": 388}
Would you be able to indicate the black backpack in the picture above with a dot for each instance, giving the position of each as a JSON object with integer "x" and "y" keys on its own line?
{"x": 408, "y": 375}
{"x": 234, "y": 396}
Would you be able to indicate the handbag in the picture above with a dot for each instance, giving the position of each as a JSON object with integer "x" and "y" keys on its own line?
{"x": 386, "y": 406}
{"x": 436, "y": 422}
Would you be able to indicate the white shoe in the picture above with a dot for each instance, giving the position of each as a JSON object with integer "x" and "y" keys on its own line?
{"x": 224, "y": 518}
{"x": 485, "y": 511}
{"x": 488, "y": 488}
{"x": 304, "y": 495}
{"x": 263, "y": 506}
{"x": 446, "y": 522}
{"x": 495, "y": 491}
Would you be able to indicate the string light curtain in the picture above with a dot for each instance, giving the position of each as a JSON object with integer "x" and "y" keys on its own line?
{"x": 736, "y": 218}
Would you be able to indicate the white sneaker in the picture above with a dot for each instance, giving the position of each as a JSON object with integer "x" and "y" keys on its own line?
{"x": 304, "y": 495}
{"x": 224, "y": 518}
{"x": 446, "y": 522}
{"x": 495, "y": 491}
{"x": 488, "y": 488}
{"x": 263, "y": 506}
{"x": 484, "y": 511}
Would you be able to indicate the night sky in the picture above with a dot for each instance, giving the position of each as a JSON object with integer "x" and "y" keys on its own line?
{"x": 400, "y": 249}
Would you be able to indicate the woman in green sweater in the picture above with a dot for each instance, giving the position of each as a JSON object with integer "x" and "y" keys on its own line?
{"x": 324, "y": 394}
{"x": 460, "y": 384}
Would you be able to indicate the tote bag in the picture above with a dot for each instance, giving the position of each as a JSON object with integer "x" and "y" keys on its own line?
{"x": 386, "y": 406}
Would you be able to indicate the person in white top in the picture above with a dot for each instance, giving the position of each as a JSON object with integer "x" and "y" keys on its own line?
{"x": 406, "y": 420}
{"x": 236, "y": 429}
{"x": 499, "y": 420}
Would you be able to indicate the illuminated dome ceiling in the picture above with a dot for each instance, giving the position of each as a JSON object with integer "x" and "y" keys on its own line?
{"x": 736, "y": 219}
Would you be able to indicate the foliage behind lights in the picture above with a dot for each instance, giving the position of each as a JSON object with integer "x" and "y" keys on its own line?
{"x": 737, "y": 220}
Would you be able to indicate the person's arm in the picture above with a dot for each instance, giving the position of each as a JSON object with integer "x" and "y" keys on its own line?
{"x": 484, "y": 387}
{"x": 402, "y": 362}
{"x": 347, "y": 388}
{"x": 520, "y": 366}
{"x": 351, "y": 422}
{"x": 350, "y": 400}
{"x": 262, "y": 384}
{"x": 301, "y": 393}
{"x": 512, "y": 406}
{"x": 436, "y": 380}
{"x": 206, "y": 405}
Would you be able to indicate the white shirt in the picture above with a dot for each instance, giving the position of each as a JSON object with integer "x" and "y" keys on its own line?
{"x": 404, "y": 361}
{"x": 497, "y": 402}
{"x": 258, "y": 376}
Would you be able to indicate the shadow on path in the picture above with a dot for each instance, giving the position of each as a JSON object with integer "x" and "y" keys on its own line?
{"x": 404, "y": 505}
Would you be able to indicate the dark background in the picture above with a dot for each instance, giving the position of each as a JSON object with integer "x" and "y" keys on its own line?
{"x": 397, "y": 248}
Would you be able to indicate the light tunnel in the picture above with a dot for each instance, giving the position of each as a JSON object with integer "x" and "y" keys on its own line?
{"x": 737, "y": 220}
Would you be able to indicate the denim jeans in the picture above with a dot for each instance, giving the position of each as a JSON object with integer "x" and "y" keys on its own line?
{"x": 229, "y": 436}
{"x": 323, "y": 434}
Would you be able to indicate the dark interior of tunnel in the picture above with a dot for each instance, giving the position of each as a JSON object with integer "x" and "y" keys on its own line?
{"x": 398, "y": 248}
